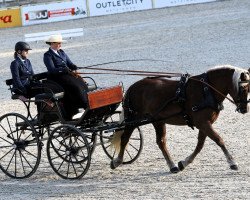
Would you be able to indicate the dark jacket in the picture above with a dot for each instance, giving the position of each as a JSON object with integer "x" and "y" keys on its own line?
{"x": 20, "y": 74}
{"x": 57, "y": 63}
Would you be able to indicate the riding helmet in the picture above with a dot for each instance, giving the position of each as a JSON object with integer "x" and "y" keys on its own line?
{"x": 20, "y": 46}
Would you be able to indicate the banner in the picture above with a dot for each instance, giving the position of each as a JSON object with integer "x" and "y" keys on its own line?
{"x": 169, "y": 3}
{"x": 53, "y": 12}
{"x": 105, "y": 7}
{"x": 10, "y": 18}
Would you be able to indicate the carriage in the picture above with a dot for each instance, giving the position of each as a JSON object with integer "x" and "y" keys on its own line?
{"x": 195, "y": 101}
{"x": 70, "y": 144}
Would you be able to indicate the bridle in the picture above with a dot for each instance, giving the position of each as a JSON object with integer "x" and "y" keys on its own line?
{"x": 242, "y": 85}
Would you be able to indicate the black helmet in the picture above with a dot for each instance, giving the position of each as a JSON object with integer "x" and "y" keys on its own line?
{"x": 20, "y": 46}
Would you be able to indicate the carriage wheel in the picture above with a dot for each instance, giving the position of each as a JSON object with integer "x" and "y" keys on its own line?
{"x": 134, "y": 146}
{"x": 20, "y": 148}
{"x": 68, "y": 152}
{"x": 92, "y": 140}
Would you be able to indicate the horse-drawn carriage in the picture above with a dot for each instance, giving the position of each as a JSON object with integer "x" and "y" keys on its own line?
{"x": 195, "y": 101}
{"x": 70, "y": 144}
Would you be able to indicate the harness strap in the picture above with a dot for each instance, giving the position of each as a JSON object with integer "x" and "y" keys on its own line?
{"x": 208, "y": 97}
{"x": 180, "y": 93}
{"x": 181, "y": 96}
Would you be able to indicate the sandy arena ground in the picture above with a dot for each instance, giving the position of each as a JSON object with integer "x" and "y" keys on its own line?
{"x": 190, "y": 39}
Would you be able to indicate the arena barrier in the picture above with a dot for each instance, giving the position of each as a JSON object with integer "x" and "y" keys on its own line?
{"x": 67, "y": 10}
{"x": 10, "y": 18}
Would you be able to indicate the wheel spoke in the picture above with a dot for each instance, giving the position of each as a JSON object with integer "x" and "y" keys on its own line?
{"x": 6, "y": 153}
{"x": 129, "y": 154}
{"x": 133, "y": 147}
{"x": 20, "y": 153}
{"x": 6, "y": 130}
{"x": 5, "y": 140}
{"x": 30, "y": 153}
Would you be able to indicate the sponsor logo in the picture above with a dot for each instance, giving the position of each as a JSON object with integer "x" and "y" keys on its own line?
{"x": 6, "y": 19}
{"x": 36, "y": 15}
{"x": 10, "y": 18}
{"x": 45, "y": 14}
{"x": 118, "y": 3}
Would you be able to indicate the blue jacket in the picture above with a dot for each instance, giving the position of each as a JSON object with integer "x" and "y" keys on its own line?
{"x": 57, "y": 63}
{"x": 20, "y": 74}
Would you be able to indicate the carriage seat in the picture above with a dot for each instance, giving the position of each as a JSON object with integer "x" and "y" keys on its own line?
{"x": 9, "y": 82}
{"x": 15, "y": 96}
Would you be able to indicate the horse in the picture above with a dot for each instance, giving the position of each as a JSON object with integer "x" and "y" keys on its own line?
{"x": 195, "y": 101}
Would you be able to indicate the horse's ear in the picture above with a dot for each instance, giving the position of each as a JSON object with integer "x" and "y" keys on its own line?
{"x": 249, "y": 70}
{"x": 242, "y": 76}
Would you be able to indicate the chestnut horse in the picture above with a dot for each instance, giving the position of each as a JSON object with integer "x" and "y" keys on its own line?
{"x": 199, "y": 105}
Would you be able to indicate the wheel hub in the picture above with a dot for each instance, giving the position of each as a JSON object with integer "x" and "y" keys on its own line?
{"x": 20, "y": 144}
{"x": 72, "y": 151}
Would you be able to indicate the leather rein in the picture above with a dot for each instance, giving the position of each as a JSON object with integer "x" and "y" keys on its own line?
{"x": 150, "y": 74}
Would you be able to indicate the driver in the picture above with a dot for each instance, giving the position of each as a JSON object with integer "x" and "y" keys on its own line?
{"x": 63, "y": 71}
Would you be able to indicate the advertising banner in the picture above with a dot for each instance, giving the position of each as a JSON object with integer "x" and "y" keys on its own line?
{"x": 169, "y": 3}
{"x": 10, "y": 18}
{"x": 53, "y": 12}
{"x": 105, "y": 7}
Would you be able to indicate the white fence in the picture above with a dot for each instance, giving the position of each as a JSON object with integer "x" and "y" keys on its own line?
{"x": 68, "y": 33}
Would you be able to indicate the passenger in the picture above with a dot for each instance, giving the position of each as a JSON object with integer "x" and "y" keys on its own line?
{"x": 62, "y": 70}
{"x": 22, "y": 72}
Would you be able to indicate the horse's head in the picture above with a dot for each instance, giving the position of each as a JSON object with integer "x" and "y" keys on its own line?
{"x": 242, "y": 88}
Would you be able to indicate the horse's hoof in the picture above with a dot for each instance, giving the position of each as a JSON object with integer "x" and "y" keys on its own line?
{"x": 234, "y": 167}
{"x": 174, "y": 170}
{"x": 181, "y": 166}
{"x": 112, "y": 166}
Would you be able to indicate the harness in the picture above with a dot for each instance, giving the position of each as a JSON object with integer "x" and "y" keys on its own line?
{"x": 207, "y": 101}
{"x": 208, "y": 97}
{"x": 180, "y": 98}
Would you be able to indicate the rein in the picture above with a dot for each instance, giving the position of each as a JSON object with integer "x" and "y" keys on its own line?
{"x": 121, "y": 61}
{"x": 134, "y": 72}
{"x": 131, "y": 74}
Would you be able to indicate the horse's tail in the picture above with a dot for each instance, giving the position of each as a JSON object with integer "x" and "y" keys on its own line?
{"x": 125, "y": 116}
{"x": 116, "y": 139}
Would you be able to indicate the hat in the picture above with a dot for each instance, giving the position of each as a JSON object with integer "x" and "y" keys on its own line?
{"x": 55, "y": 38}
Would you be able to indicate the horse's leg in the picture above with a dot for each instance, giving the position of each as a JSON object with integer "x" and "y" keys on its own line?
{"x": 160, "y": 129}
{"x": 199, "y": 146}
{"x": 124, "y": 141}
{"x": 207, "y": 130}
{"x": 212, "y": 134}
